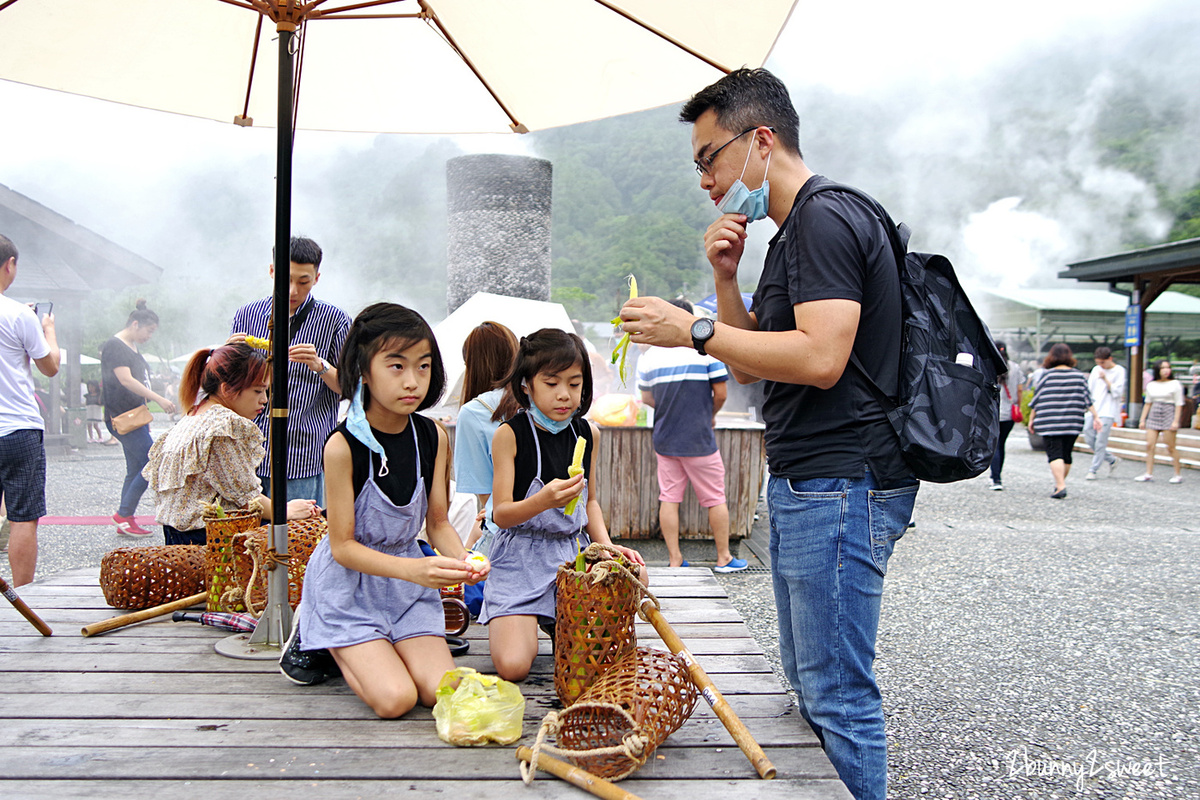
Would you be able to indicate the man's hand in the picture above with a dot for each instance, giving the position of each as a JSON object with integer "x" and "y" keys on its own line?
{"x": 652, "y": 320}
{"x": 236, "y": 338}
{"x": 306, "y": 354}
{"x": 724, "y": 242}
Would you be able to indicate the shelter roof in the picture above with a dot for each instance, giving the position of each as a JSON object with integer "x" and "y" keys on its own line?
{"x": 1093, "y": 300}
{"x": 60, "y": 257}
{"x": 1178, "y": 260}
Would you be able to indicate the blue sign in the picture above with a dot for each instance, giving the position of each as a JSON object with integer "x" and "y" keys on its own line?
{"x": 1133, "y": 325}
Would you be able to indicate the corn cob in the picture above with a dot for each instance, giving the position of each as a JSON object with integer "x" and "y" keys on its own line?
{"x": 622, "y": 348}
{"x": 576, "y": 468}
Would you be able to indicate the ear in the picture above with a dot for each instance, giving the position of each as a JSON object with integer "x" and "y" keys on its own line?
{"x": 271, "y": 270}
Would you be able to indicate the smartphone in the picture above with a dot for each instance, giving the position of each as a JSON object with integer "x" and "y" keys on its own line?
{"x": 42, "y": 309}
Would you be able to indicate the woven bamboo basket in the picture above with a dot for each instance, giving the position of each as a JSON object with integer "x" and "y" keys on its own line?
{"x": 616, "y": 725}
{"x": 134, "y": 578}
{"x": 594, "y": 624}
{"x": 220, "y": 561}
{"x": 251, "y": 550}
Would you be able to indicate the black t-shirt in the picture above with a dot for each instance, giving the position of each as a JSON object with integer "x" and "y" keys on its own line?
{"x": 400, "y": 482}
{"x": 834, "y": 247}
{"x": 117, "y": 399}
{"x": 557, "y": 450}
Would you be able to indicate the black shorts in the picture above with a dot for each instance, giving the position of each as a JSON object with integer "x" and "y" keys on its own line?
{"x": 23, "y": 475}
{"x": 1060, "y": 447}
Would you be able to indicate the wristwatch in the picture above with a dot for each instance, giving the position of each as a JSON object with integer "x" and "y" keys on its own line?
{"x": 702, "y": 330}
{"x": 325, "y": 367}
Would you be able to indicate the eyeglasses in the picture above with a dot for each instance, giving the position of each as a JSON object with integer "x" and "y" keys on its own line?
{"x": 704, "y": 163}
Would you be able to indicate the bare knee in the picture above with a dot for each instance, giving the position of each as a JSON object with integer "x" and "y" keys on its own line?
{"x": 394, "y": 704}
{"x": 511, "y": 667}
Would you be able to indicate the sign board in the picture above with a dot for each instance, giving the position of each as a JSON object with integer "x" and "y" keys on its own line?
{"x": 1133, "y": 325}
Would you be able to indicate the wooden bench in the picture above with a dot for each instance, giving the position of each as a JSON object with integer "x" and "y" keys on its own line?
{"x": 152, "y": 711}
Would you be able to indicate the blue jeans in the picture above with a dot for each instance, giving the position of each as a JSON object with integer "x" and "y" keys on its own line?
{"x": 136, "y": 445}
{"x": 1006, "y": 427}
{"x": 300, "y": 488}
{"x": 830, "y": 543}
{"x": 1098, "y": 441}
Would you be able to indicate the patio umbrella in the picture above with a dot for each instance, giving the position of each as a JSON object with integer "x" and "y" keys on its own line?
{"x": 406, "y": 66}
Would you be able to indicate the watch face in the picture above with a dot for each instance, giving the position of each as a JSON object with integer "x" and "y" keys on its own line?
{"x": 702, "y": 329}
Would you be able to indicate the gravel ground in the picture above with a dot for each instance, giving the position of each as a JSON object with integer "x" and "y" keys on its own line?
{"x": 1029, "y": 648}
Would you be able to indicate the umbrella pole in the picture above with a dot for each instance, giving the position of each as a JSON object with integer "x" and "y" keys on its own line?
{"x": 276, "y": 621}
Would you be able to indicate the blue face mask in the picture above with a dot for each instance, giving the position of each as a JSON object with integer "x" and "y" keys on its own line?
{"x": 740, "y": 200}
{"x": 356, "y": 423}
{"x": 552, "y": 425}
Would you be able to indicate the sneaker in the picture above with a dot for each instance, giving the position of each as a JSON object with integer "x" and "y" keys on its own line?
{"x": 1144, "y": 478}
{"x": 306, "y": 667}
{"x": 127, "y": 527}
{"x": 1112, "y": 466}
{"x": 997, "y": 486}
{"x": 1176, "y": 479}
{"x": 1091, "y": 476}
{"x": 735, "y": 565}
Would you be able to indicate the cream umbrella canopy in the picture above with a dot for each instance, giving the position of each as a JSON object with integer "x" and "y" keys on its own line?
{"x": 403, "y": 66}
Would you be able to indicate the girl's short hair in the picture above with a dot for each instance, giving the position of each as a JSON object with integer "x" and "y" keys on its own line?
{"x": 1158, "y": 365}
{"x": 487, "y": 355}
{"x": 376, "y": 326}
{"x": 550, "y": 350}
{"x": 237, "y": 366}
{"x": 1059, "y": 355}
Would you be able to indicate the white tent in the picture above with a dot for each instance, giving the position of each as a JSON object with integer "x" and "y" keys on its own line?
{"x": 519, "y": 315}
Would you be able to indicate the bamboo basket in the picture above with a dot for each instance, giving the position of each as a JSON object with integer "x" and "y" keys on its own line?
{"x": 134, "y": 578}
{"x": 251, "y": 564}
{"x": 220, "y": 561}
{"x": 594, "y": 623}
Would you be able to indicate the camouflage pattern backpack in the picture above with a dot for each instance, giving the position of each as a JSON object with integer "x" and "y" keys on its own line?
{"x": 946, "y": 412}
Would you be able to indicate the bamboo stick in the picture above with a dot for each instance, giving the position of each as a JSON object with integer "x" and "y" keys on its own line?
{"x": 113, "y": 623}
{"x": 25, "y": 610}
{"x": 577, "y": 776}
{"x": 737, "y": 729}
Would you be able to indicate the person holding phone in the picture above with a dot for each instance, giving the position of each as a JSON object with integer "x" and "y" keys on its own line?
{"x": 23, "y": 340}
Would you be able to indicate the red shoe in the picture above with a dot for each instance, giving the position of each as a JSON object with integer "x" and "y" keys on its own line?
{"x": 127, "y": 527}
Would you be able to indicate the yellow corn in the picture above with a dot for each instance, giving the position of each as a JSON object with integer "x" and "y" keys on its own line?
{"x": 259, "y": 342}
{"x": 576, "y": 468}
{"x": 622, "y": 348}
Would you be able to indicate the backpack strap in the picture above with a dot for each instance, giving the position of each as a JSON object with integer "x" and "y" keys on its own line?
{"x": 899, "y": 236}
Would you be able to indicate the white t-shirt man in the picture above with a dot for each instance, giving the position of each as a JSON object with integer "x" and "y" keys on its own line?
{"x": 21, "y": 342}
{"x": 1108, "y": 389}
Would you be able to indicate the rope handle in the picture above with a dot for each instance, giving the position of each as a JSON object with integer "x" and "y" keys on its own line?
{"x": 632, "y": 746}
{"x": 268, "y": 561}
{"x": 601, "y": 570}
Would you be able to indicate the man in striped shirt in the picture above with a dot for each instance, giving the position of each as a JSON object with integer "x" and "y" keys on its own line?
{"x": 316, "y": 332}
{"x": 686, "y": 390}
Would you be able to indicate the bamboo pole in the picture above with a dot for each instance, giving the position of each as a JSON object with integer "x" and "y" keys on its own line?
{"x": 113, "y": 623}
{"x": 577, "y": 776}
{"x": 25, "y": 610}
{"x": 736, "y": 728}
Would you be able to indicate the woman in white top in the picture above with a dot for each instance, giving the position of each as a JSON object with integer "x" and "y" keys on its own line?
{"x": 1163, "y": 411}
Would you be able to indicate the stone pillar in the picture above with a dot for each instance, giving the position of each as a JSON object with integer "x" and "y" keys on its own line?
{"x": 499, "y": 227}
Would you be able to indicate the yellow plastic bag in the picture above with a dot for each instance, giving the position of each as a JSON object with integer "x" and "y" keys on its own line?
{"x": 614, "y": 410}
{"x": 473, "y": 708}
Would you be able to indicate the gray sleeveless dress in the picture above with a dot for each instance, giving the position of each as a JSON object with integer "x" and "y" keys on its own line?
{"x": 344, "y": 607}
{"x": 525, "y": 558}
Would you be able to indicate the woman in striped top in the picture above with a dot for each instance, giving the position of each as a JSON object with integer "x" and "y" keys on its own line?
{"x": 1060, "y": 399}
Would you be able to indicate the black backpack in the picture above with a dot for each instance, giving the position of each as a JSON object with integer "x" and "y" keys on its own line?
{"x": 946, "y": 414}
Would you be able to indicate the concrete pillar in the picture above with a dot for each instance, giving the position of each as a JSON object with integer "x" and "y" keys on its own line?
{"x": 499, "y": 227}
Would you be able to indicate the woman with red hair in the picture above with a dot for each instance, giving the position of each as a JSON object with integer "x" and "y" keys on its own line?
{"x": 212, "y": 452}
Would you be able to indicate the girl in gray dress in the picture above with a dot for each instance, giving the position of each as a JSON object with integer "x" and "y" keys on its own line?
{"x": 370, "y": 596}
{"x": 552, "y": 380}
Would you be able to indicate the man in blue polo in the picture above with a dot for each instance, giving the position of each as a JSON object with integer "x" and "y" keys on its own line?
{"x": 316, "y": 333}
{"x": 686, "y": 390}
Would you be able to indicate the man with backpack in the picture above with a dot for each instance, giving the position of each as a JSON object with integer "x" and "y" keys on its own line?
{"x": 824, "y": 325}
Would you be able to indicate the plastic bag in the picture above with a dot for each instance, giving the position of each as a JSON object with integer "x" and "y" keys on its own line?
{"x": 614, "y": 410}
{"x": 473, "y": 708}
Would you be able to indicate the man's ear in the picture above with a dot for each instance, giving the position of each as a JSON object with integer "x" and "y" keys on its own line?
{"x": 271, "y": 271}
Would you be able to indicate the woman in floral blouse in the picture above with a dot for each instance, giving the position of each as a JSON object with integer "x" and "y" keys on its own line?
{"x": 212, "y": 453}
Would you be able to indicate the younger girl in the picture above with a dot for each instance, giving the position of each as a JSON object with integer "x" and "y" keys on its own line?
{"x": 370, "y": 596}
{"x": 1163, "y": 412}
{"x": 552, "y": 380}
{"x": 212, "y": 452}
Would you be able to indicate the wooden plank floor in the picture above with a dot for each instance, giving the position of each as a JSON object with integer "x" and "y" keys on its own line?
{"x": 152, "y": 710}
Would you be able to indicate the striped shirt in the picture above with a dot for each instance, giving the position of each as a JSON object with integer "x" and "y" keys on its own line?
{"x": 312, "y": 406}
{"x": 1060, "y": 398}
{"x": 680, "y": 380}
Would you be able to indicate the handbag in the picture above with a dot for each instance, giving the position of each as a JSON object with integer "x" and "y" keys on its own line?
{"x": 1017, "y": 416}
{"x": 132, "y": 420}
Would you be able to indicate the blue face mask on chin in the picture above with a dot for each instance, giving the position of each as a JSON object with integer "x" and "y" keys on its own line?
{"x": 552, "y": 425}
{"x": 740, "y": 200}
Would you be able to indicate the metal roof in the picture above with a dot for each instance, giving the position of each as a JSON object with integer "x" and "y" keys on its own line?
{"x": 1180, "y": 259}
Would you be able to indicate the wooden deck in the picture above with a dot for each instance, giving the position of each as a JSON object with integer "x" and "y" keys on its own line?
{"x": 151, "y": 710}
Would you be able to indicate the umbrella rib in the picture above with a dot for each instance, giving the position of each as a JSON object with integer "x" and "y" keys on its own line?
{"x": 431, "y": 17}
{"x": 662, "y": 35}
